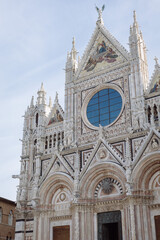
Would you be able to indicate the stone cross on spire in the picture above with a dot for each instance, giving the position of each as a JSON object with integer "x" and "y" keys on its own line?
{"x": 100, "y": 20}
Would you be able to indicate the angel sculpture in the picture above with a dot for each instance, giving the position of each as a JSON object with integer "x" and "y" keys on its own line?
{"x": 100, "y": 11}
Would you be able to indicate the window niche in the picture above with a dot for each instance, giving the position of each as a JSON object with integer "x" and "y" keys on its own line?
{"x": 10, "y": 218}
{"x": 37, "y": 119}
{"x": 155, "y": 112}
{"x": 0, "y": 215}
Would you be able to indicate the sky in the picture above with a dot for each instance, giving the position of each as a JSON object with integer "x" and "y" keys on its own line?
{"x": 35, "y": 36}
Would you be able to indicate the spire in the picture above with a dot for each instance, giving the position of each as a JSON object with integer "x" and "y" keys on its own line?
{"x": 73, "y": 51}
{"x": 135, "y": 23}
{"x": 71, "y": 64}
{"x": 140, "y": 77}
{"x": 32, "y": 102}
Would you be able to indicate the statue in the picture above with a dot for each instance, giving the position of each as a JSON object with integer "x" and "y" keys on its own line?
{"x": 100, "y": 12}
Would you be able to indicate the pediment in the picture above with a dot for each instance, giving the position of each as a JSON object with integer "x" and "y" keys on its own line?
{"x": 56, "y": 115}
{"x": 149, "y": 145}
{"x": 104, "y": 52}
{"x": 55, "y": 165}
{"x": 103, "y": 152}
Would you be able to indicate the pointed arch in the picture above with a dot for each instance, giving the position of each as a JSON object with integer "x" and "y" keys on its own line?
{"x": 99, "y": 172}
{"x": 144, "y": 171}
{"x": 52, "y": 184}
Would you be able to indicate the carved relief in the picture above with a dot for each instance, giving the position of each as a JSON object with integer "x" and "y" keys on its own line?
{"x": 61, "y": 199}
{"x": 45, "y": 164}
{"x": 102, "y": 153}
{"x": 155, "y": 144}
{"x": 152, "y": 146}
{"x": 155, "y": 181}
{"x": 108, "y": 186}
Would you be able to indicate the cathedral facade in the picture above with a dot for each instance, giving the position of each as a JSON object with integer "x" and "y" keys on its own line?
{"x": 92, "y": 170}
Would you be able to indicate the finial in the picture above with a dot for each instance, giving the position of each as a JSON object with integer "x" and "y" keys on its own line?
{"x": 100, "y": 13}
{"x": 156, "y": 61}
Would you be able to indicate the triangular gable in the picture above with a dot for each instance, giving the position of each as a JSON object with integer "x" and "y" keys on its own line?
{"x": 150, "y": 139}
{"x": 102, "y": 52}
{"x": 102, "y": 144}
{"x": 56, "y": 115}
{"x": 57, "y": 164}
{"x": 154, "y": 86}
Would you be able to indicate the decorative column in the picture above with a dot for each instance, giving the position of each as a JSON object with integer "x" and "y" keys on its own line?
{"x": 132, "y": 214}
{"x": 95, "y": 226}
{"x": 128, "y": 167}
{"x": 76, "y": 224}
{"x": 35, "y": 226}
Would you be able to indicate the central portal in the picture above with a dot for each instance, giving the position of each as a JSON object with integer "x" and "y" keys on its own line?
{"x": 109, "y": 226}
{"x": 61, "y": 233}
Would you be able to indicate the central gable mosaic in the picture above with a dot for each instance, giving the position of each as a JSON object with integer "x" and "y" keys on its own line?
{"x": 102, "y": 53}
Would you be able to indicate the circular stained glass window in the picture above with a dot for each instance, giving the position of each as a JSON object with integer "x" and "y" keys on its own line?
{"x": 104, "y": 107}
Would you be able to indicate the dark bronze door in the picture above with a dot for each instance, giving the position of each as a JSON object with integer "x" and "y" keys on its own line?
{"x": 61, "y": 233}
{"x": 157, "y": 225}
{"x": 109, "y": 226}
